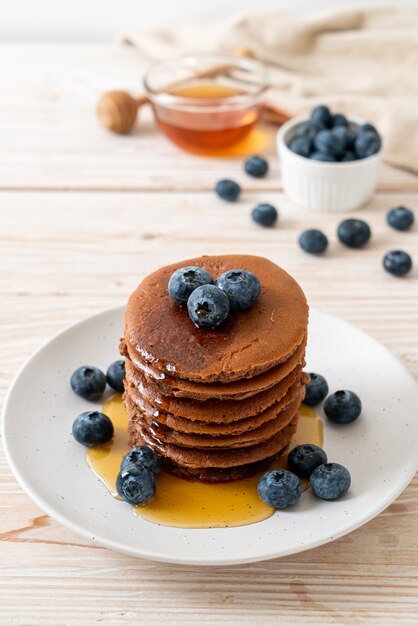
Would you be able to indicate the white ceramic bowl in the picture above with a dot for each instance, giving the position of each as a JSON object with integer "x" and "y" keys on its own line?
{"x": 322, "y": 186}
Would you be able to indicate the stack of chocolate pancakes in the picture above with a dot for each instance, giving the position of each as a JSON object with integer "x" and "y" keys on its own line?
{"x": 216, "y": 405}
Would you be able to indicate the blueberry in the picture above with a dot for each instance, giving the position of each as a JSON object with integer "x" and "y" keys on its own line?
{"x": 279, "y": 488}
{"x": 313, "y": 241}
{"x": 322, "y": 115}
{"x": 228, "y": 190}
{"x": 343, "y": 407}
{"x": 349, "y": 156}
{"x": 329, "y": 142}
{"x": 92, "y": 429}
{"x": 366, "y": 144}
{"x": 256, "y": 166}
{"x": 354, "y": 233}
{"x": 330, "y": 481}
{"x": 319, "y": 156}
{"x": 88, "y": 382}
{"x": 339, "y": 120}
{"x": 241, "y": 287}
{"x": 400, "y": 218}
{"x": 397, "y": 262}
{"x": 185, "y": 280}
{"x": 115, "y": 375}
{"x": 309, "y": 129}
{"x": 301, "y": 145}
{"x": 367, "y": 128}
{"x": 208, "y": 306}
{"x": 346, "y": 137}
{"x": 316, "y": 389}
{"x": 264, "y": 214}
{"x": 138, "y": 488}
{"x": 302, "y": 460}
{"x": 141, "y": 456}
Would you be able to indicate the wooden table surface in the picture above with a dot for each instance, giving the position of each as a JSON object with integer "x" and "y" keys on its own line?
{"x": 84, "y": 215}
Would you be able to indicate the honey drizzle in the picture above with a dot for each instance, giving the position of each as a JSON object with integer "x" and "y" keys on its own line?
{"x": 190, "y": 504}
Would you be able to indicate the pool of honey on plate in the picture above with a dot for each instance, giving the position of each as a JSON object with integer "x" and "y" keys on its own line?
{"x": 189, "y": 504}
{"x": 209, "y": 125}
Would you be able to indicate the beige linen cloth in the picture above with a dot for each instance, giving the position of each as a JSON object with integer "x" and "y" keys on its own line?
{"x": 362, "y": 62}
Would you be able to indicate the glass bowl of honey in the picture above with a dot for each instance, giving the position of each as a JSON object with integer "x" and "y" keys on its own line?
{"x": 206, "y": 103}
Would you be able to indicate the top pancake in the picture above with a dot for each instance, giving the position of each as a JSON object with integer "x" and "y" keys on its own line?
{"x": 247, "y": 344}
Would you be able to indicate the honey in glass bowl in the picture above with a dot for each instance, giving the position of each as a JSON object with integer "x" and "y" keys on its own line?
{"x": 203, "y": 113}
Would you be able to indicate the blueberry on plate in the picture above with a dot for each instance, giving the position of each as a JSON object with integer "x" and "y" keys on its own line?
{"x": 279, "y": 488}
{"x": 319, "y": 156}
{"x": 301, "y": 145}
{"x": 208, "y": 306}
{"x": 115, "y": 375}
{"x": 316, "y": 389}
{"x": 343, "y": 407}
{"x": 330, "y": 481}
{"x": 88, "y": 382}
{"x": 138, "y": 488}
{"x": 338, "y": 119}
{"x": 185, "y": 280}
{"x": 321, "y": 115}
{"x": 309, "y": 129}
{"x": 302, "y": 460}
{"x": 354, "y": 233}
{"x": 313, "y": 241}
{"x": 92, "y": 429}
{"x": 228, "y": 190}
{"x": 330, "y": 142}
{"x": 400, "y": 218}
{"x": 264, "y": 214}
{"x": 241, "y": 287}
{"x": 366, "y": 144}
{"x": 141, "y": 456}
{"x": 397, "y": 262}
{"x": 256, "y": 166}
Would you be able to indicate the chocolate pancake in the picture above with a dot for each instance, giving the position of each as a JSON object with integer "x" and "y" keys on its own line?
{"x": 236, "y": 390}
{"x": 222, "y": 411}
{"x": 191, "y": 458}
{"x": 249, "y": 343}
{"x": 236, "y": 427}
{"x": 230, "y": 441}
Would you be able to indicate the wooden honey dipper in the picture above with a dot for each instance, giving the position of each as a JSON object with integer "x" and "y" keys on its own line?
{"x": 118, "y": 110}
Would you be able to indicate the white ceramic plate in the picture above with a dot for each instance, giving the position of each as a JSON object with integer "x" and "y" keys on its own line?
{"x": 380, "y": 449}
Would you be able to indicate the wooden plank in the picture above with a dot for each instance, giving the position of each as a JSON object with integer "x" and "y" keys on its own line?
{"x": 64, "y": 256}
{"x": 50, "y": 137}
